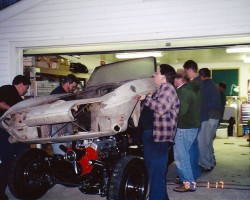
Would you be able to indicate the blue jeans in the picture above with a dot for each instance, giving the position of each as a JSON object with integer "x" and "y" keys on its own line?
{"x": 194, "y": 158}
{"x": 156, "y": 159}
{"x": 184, "y": 140}
{"x": 57, "y": 131}
{"x": 205, "y": 138}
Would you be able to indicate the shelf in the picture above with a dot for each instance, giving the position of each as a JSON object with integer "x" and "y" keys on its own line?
{"x": 61, "y": 72}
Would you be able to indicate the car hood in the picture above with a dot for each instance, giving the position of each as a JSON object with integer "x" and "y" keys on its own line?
{"x": 122, "y": 71}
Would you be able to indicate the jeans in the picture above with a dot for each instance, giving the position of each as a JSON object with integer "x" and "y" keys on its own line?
{"x": 194, "y": 158}
{"x": 184, "y": 140}
{"x": 156, "y": 159}
{"x": 56, "y": 148}
{"x": 57, "y": 131}
{"x": 7, "y": 152}
{"x": 205, "y": 139}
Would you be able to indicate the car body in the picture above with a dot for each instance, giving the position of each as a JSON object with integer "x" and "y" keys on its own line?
{"x": 104, "y": 116}
{"x": 106, "y": 104}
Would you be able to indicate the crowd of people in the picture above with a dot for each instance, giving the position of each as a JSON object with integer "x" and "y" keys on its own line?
{"x": 184, "y": 111}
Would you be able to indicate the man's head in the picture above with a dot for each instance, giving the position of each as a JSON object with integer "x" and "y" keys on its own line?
{"x": 180, "y": 78}
{"x": 204, "y": 73}
{"x": 191, "y": 69}
{"x": 22, "y": 84}
{"x": 70, "y": 83}
{"x": 222, "y": 86}
{"x": 164, "y": 73}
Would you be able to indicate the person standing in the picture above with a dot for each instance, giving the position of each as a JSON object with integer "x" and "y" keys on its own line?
{"x": 187, "y": 130}
{"x": 68, "y": 85}
{"x": 191, "y": 69}
{"x": 223, "y": 99}
{"x": 164, "y": 106}
{"x": 210, "y": 115}
{"x": 9, "y": 96}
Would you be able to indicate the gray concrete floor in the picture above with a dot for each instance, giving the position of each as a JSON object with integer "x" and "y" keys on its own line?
{"x": 233, "y": 169}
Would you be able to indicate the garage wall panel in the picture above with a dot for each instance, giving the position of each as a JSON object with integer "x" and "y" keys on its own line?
{"x": 100, "y": 22}
{"x": 171, "y": 19}
{"x": 4, "y": 63}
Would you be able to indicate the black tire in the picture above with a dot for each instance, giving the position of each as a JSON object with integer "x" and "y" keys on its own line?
{"x": 24, "y": 176}
{"x": 129, "y": 180}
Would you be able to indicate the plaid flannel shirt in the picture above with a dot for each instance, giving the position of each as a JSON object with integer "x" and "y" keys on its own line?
{"x": 165, "y": 104}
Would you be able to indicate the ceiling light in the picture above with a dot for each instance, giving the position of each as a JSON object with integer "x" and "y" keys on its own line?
{"x": 138, "y": 54}
{"x": 247, "y": 59}
{"x": 239, "y": 49}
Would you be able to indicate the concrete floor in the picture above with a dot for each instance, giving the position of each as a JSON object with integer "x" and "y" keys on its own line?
{"x": 233, "y": 169}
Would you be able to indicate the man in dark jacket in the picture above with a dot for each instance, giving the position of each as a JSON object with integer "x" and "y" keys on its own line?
{"x": 210, "y": 115}
{"x": 9, "y": 96}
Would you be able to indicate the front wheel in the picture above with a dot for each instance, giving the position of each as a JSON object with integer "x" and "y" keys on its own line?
{"x": 129, "y": 180}
{"x": 27, "y": 172}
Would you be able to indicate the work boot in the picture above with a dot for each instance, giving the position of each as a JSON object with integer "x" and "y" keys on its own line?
{"x": 186, "y": 187}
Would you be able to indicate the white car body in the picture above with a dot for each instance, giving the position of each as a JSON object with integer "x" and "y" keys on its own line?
{"x": 104, "y": 108}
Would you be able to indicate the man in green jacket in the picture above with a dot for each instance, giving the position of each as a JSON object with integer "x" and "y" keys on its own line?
{"x": 187, "y": 130}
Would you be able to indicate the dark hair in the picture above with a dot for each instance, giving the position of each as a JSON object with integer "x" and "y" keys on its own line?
{"x": 21, "y": 79}
{"x": 182, "y": 75}
{"x": 169, "y": 72}
{"x": 205, "y": 72}
{"x": 190, "y": 64}
{"x": 71, "y": 78}
{"x": 223, "y": 85}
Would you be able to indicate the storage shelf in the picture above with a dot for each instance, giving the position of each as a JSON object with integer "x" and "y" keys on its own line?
{"x": 59, "y": 72}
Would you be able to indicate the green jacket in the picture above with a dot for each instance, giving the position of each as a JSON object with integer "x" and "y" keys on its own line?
{"x": 189, "y": 113}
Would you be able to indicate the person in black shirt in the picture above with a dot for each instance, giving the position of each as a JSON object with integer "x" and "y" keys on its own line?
{"x": 69, "y": 85}
{"x": 9, "y": 96}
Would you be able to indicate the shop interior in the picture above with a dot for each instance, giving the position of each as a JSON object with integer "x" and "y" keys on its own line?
{"x": 47, "y": 67}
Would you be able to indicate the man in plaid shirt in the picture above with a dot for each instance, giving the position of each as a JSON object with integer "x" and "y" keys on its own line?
{"x": 159, "y": 135}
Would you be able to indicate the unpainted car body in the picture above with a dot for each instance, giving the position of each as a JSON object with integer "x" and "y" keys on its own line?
{"x": 101, "y": 159}
{"x": 102, "y": 109}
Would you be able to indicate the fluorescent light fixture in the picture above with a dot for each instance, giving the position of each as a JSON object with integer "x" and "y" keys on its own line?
{"x": 138, "y": 54}
{"x": 247, "y": 59}
{"x": 239, "y": 49}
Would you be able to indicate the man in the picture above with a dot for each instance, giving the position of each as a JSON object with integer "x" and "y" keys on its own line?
{"x": 69, "y": 85}
{"x": 222, "y": 88}
{"x": 210, "y": 115}
{"x": 187, "y": 130}
{"x": 159, "y": 133}
{"x": 9, "y": 96}
{"x": 191, "y": 69}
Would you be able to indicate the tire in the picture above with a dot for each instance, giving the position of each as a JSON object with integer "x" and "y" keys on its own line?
{"x": 25, "y": 173}
{"x": 129, "y": 180}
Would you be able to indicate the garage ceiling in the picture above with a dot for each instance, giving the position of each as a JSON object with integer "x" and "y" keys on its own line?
{"x": 202, "y": 50}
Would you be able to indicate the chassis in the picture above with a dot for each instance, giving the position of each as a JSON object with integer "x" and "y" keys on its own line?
{"x": 106, "y": 166}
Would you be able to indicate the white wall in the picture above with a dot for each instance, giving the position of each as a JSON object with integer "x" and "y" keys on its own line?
{"x": 82, "y": 22}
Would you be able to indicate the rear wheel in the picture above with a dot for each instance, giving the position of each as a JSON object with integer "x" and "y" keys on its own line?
{"x": 27, "y": 172}
{"x": 129, "y": 180}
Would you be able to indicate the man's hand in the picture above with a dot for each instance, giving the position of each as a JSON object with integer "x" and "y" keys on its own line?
{"x": 141, "y": 97}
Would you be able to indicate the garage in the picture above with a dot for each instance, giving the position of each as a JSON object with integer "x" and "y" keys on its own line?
{"x": 47, "y": 38}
